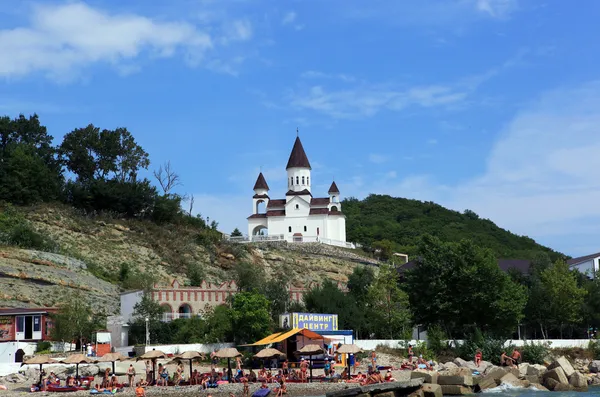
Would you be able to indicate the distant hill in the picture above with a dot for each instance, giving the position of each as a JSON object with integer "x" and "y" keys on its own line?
{"x": 403, "y": 221}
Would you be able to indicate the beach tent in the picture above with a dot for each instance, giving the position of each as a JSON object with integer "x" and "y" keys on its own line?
{"x": 39, "y": 360}
{"x": 77, "y": 359}
{"x": 111, "y": 358}
{"x": 348, "y": 350}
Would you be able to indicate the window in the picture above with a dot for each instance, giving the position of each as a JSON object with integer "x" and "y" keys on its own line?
{"x": 307, "y": 180}
{"x": 291, "y": 180}
{"x": 29, "y": 327}
{"x": 297, "y": 207}
{"x": 317, "y": 231}
{"x": 304, "y": 228}
{"x": 297, "y": 180}
{"x": 289, "y": 229}
{"x": 303, "y": 180}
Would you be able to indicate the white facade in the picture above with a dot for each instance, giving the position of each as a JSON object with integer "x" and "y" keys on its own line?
{"x": 588, "y": 265}
{"x": 299, "y": 217}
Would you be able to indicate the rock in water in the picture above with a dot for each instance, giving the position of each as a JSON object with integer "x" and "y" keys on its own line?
{"x": 511, "y": 379}
{"x": 578, "y": 381}
{"x": 563, "y": 363}
{"x": 594, "y": 366}
{"x": 556, "y": 374}
{"x": 536, "y": 369}
{"x": 431, "y": 390}
{"x": 523, "y": 367}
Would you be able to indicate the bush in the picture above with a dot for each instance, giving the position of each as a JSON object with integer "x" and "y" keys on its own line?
{"x": 594, "y": 349}
{"x": 16, "y": 230}
{"x": 43, "y": 347}
{"x": 535, "y": 353}
{"x": 437, "y": 339}
{"x": 490, "y": 347}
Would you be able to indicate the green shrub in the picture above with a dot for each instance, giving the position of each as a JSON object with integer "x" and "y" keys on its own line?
{"x": 437, "y": 339}
{"x": 43, "y": 347}
{"x": 594, "y": 349}
{"x": 16, "y": 230}
{"x": 535, "y": 353}
{"x": 491, "y": 348}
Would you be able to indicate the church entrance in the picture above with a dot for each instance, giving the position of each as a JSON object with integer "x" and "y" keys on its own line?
{"x": 260, "y": 232}
{"x": 297, "y": 237}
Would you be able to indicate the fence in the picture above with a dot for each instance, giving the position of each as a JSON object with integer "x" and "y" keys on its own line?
{"x": 371, "y": 344}
{"x": 293, "y": 239}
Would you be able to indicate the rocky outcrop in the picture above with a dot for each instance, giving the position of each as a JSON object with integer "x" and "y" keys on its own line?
{"x": 563, "y": 363}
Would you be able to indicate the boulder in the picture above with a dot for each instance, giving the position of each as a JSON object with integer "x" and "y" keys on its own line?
{"x": 455, "y": 380}
{"x": 523, "y": 367}
{"x": 538, "y": 387}
{"x": 428, "y": 376}
{"x": 563, "y": 363}
{"x": 536, "y": 369}
{"x": 89, "y": 370}
{"x": 450, "y": 365}
{"x": 511, "y": 379}
{"x": 417, "y": 393}
{"x": 578, "y": 381}
{"x": 594, "y": 366}
{"x": 594, "y": 380}
{"x": 515, "y": 371}
{"x": 456, "y": 390}
{"x": 483, "y": 365}
{"x": 432, "y": 390}
{"x": 457, "y": 372}
{"x": 496, "y": 372}
{"x": 531, "y": 378}
{"x": 561, "y": 387}
{"x": 558, "y": 375}
{"x": 551, "y": 383}
{"x": 13, "y": 378}
{"x": 461, "y": 363}
{"x": 487, "y": 382}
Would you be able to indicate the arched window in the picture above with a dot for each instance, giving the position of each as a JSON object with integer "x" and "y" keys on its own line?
{"x": 297, "y": 180}
{"x": 297, "y": 206}
{"x": 304, "y": 228}
{"x": 303, "y": 180}
{"x": 308, "y": 180}
{"x": 289, "y": 229}
{"x": 291, "y": 180}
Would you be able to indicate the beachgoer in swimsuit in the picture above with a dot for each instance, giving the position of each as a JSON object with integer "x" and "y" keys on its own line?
{"x": 131, "y": 375}
{"x": 478, "y": 357}
{"x": 139, "y": 390}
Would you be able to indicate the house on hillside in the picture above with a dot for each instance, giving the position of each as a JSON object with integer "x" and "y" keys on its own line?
{"x": 588, "y": 264}
{"x": 20, "y": 331}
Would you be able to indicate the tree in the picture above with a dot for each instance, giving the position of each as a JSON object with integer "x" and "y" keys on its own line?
{"x": 389, "y": 305}
{"x": 236, "y": 233}
{"x": 328, "y": 298}
{"x": 250, "y": 316}
{"x": 166, "y": 178}
{"x": 460, "y": 287}
{"x": 384, "y": 249}
{"x": 219, "y": 324}
{"x": 564, "y": 298}
{"x": 195, "y": 274}
{"x": 147, "y": 308}
{"x": 249, "y": 277}
{"x": 359, "y": 283}
{"x": 75, "y": 320}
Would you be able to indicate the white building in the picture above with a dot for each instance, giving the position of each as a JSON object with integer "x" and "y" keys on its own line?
{"x": 589, "y": 264}
{"x": 299, "y": 217}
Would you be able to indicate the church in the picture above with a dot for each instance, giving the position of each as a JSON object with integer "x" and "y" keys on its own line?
{"x": 299, "y": 217}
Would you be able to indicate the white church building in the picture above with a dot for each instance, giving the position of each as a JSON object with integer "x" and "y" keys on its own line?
{"x": 299, "y": 217}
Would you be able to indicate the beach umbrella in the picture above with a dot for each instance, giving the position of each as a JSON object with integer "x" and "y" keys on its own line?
{"x": 191, "y": 355}
{"x": 77, "y": 359}
{"x": 228, "y": 353}
{"x": 310, "y": 350}
{"x": 112, "y": 358}
{"x": 348, "y": 350}
{"x": 39, "y": 360}
{"x": 269, "y": 353}
{"x": 153, "y": 355}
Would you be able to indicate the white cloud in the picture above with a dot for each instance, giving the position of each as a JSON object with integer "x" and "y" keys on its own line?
{"x": 62, "y": 39}
{"x": 496, "y": 8}
{"x": 288, "y": 18}
{"x": 378, "y": 158}
{"x": 541, "y": 176}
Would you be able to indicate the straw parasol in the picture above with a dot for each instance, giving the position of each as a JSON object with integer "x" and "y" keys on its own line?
{"x": 310, "y": 350}
{"x": 76, "y": 359}
{"x": 111, "y": 358}
{"x": 348, "y": 350}
{"x": 269, "y": 353}
{"x": 191, "y": 355}
{"x": 228, "y": 353}
{"x": 153, "y": 355}
{"x": 40, "y": 360}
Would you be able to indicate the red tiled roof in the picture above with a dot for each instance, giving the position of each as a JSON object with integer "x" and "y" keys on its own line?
{"x": 300, "y": 193}
{"x": 276, "y": 213}
{"x": 261, "y": 196}
{"x": 276, "y": 203}
{"x": 261, "y": 183}
{"x": 318, "y": 211}
{"x": 12, "y": 311}
{"x": 257, "y": 216}
{"x": 575, "y": 261}
{"x": 298, "y": 156}
{"x": 319, "y": 201}
{"x": 333, "y": 188}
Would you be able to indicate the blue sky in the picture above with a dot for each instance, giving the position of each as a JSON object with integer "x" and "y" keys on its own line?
{"x": 491, "y": 105}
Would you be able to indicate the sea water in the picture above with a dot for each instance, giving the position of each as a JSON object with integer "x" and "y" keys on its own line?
{"x": 532, "y": 392}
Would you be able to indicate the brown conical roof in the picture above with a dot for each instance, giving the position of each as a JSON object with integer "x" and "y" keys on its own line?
{"x": 333, "y": 188}
{"x": 298, "y": 156}
{"x": 261, "y": 182}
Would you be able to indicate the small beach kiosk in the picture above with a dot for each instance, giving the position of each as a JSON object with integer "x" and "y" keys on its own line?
{"x": 292, "y": 341}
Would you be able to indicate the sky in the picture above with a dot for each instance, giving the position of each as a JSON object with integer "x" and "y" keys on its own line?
{"x": 487, "y": 105}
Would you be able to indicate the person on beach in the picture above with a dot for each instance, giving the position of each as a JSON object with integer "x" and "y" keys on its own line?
{"x": 516, "y": 357}
{"x": 214, "y": 360}
{"x": 131, "y": 375}
{"x": 352, "y": 363}
{"x": 478, "y": 357}
{"x": 410, "y": 353}
{"x": 282, "y": 389}
{"x": 389, "y": 377}
{"x": 505, "y": 361}
{"x": 285, "y": 368}
{"x": 303, "y": 368}
{"x": 326, "y": 368}
{"x": 246, "y": 391}
{"x": 148, "y": 372}
{"x": 238, "y": 363}
{"x": 139, "y": 390}
{"x": 374, "y": 359}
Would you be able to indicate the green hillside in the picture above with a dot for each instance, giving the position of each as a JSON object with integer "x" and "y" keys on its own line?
{"x": 403, "y": 221}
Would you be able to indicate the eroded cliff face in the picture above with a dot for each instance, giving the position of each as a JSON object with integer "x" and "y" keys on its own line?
{"x": 93, "y": 251}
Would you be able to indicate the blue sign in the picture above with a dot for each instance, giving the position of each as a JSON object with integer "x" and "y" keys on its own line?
{"x": 315, "y": 322}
